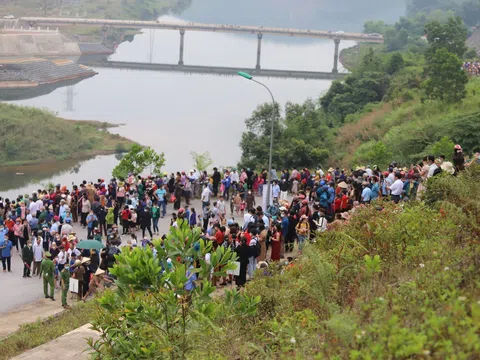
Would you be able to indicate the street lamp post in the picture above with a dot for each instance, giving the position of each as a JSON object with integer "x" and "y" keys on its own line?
{"x": 269, "y": 178}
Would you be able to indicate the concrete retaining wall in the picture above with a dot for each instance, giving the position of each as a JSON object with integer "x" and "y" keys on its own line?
{"x": 37, "y": 44}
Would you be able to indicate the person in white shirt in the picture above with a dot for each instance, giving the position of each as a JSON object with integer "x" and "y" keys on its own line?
{"x": 265, "y": 219}
{"x": 39, "y": 204}
{"x": 396, "y": 188}
{"x": 72, "y": 250}
{"x": 252, "y": 259}
{"x": 234, "y": 176}
{"x": 37, "y": 255}
{"x": 275, "y": 190}
{"x": 67, "y": 227}
{"x": 221, "y": 207}
{"x": 33, "y": 207}
{"x": 206, "y": 193}
{"x": 61, "y": 258}
{"x": 433, "y": 166}
{"x": 248, "y": 218}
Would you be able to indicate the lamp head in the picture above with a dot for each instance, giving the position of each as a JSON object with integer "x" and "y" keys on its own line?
{"x": 245, "y": 75}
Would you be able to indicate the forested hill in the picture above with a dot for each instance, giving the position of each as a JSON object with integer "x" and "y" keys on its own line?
{"x": 405, "y": 99}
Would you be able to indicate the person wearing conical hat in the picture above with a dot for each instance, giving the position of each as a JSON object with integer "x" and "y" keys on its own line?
{"x": 47, "y": 268}
{"x": 79, "y": 274}
{"x": 96, "y": 283}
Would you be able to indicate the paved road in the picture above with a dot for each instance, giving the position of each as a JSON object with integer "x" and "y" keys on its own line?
{"x": 17, "y": 291}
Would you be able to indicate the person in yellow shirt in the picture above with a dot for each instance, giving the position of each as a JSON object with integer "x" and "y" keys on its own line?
{"x": 303, "y": 231}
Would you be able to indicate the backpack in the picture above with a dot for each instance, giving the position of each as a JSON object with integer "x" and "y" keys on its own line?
{"x": 258, "y": 248}
{"x": 437, "y": 171}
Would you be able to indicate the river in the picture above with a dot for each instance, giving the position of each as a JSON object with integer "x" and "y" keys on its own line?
{"x": 176, "y": 113}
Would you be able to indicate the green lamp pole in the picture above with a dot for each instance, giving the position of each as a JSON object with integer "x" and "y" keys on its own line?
{"x": 269, "y": 178}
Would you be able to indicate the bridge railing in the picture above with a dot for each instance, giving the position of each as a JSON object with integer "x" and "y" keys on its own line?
{"x": 206, "y": 27}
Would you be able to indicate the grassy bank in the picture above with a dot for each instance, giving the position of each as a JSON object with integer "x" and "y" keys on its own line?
{"x": 31, "y": 135}
{"x": 35, "y": 334}
{"x": 409, "y": 128}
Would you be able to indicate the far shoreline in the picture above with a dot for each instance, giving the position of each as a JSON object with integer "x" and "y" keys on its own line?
{"x": 111, "y": 144}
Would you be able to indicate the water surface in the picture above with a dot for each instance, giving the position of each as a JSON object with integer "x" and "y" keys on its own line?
{"x": 178, "y": 113}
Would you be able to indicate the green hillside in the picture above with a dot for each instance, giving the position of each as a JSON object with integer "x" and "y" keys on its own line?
{"x": 31, "y": 135}
{"x": 403, "y": 100}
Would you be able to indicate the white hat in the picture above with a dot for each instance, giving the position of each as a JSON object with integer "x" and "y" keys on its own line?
{"x": 99, "y": 272}
{"x": 85, "y": 260}
{"x": 447, "y": 166}
{"x": 260, "y": 263}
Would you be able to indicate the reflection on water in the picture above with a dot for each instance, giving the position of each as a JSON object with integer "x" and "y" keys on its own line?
{"x": 63, "y": 172}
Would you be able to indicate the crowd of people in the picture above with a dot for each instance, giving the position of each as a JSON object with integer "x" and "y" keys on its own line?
{"x": 40, "y": 225}
{"x": 472, "y": 67}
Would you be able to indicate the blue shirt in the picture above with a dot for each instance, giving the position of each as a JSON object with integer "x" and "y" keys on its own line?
{"x": 90, "y": 219}
{"x": 161, "y": 194}
{"x": 374, "y": 194}
{"x": 366, "y": 194}
{"x": 191, "y": 277}
{"x": 8, "y": 246}
{"x": 285, "y": 226}
{"x": 33, "y": 223}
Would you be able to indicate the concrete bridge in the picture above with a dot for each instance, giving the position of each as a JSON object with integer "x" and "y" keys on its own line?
{"x": 182, "y": 27}
{"x": 214, "y": 70}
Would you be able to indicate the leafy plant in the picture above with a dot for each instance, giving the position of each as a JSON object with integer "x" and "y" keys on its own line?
{"x": 152, "y": 314}
{"x": 137, "y": 160}
{"x": 202, "y": 161}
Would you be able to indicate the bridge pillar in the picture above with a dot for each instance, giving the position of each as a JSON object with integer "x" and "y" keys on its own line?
{"x": 182, "y": 44}
{"x": 259, "y": 50}
{"x": 335, "y": 56}
{"x": 104, "y": 35}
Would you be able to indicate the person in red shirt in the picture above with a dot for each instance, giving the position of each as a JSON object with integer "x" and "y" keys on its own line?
{"x": 344, "y": 204}
{"x": 125, "y": 217}
{"x": 337, "y": 203}
{"x": 220, "y": 234}
{"x": 9, "y": 224}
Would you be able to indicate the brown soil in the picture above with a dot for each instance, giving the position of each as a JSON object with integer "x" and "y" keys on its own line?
{"x": 351, "y": 136}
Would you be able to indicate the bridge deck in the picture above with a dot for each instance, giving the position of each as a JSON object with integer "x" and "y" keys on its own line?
{"x": 216, "y": 70}
{"x": 37, "y": 21}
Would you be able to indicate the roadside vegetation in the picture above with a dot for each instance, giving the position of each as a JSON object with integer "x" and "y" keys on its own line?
{"x": 32, "y": 135}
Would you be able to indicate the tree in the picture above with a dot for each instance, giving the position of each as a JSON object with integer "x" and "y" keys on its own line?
{"x": 447, "y": 80}
{"x": 450, "y": 35}
{"x": 151, "y": 313}
{"x": 201, "y": 162}
{"x": 137, "y": 160}
{"x": 375, "y": 27}
{"x": 255, "y": 142}
{"x": 444, "y": 146}
{"x": 395, "y": 63}
{"x": 395, "y": 40}
{"x": 379, "y": 155}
